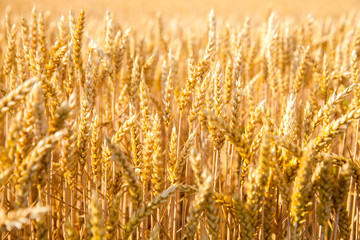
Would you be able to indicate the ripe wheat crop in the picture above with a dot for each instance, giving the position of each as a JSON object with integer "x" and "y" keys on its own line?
{"x": 238, "y": 130}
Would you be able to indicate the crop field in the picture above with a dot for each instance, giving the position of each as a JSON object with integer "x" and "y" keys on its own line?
{"x": 180, "y": 120}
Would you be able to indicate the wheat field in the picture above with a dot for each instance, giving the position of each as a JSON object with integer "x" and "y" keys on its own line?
{"x": 196, "y": 126}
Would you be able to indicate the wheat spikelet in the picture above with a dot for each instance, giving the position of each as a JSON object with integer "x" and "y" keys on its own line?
{"x": 339, "y": 199}
{"x": 42, "y": 37}
{"x": 172, "y": 155}
{"x": 147, "y": 156}
{"x": 230, "y": 133}
{"x": 167, "y": 99}
{"x": 129, "y": 174}
{"x": 95, "y": 147}
{"x": 195, "y": 159}
{"x": 69, "y": 151}
{"x": 238, "y": 73}
{"x": 144, "y": 105}
{"x": 33, "y": 30}
{"x": 25, "y": 142}
{"x": 185, "y": 153}
{"x": 54, "y": 62}
{"x": 136, "y": 145}
{"x": 269, "y": 206}
{"x": 212, "y": 217}
{"x": 242, "y": 214}
{"x": 218, "y": 138}
{"x": 86, "y": 112}
{"x": 331, "y": 102}
{"x": 21, "y": 63}
{"x": 145, "y": 211}
{"x": 332, "y": 130}
{"x": 120, "y": 133}
{"x": 325, "y": 182}
{"x": 33, "y": 165}
{"x": 9, "y": 101}
{"x": 307, "y": 129}
{"x": 229, "y": 83}
{"x": 246, "y": 138}
{"x": 96, "y": 222}
{"x": 199, "y": 101}
{"x": 9, "y": 61}
{"x": 250, "y": 126}
{"x": 112, "y": 221}
{"x": 133, "y": 82}
{"x": 271, "y": 59}
{"x": 120, "y": 47}
{"x": 77, "y": 34}
{"x": 59, "y": 118}
{"x": 158, "y": 159}
{"x": 300, "y": 73}
{"x": 204, "y": 192}
{"x": 109, "y": 35}
{"x": 300, "y": 198}
{"x": 258, "y": 182}
{"x": 201, "y": 69}
{"x": 18, "y": 218}
{"x": 25, "y": 39}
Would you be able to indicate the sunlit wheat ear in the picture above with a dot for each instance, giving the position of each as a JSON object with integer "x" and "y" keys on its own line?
{"x": 31, "y": 122}
{"x": 18, "y": 218}
{"x": 258, "y": 180}
{"x": 270, "y": 206}
{"x": 300, "y": 73}
{"x": 168, "y": 98}
{"x": 158, "y": 163}
{"x": 9, "y": 101}
{"x": 145, "y": 211}
{"x": 95, "y": 147}
{"x": 9, "y": 61}
{"x": 10, "y": 154}
{"x": 238, "y": 80}
{"x": 325, "y": 187}
{"x": 202, "y": 67}
{"x": 218, "y": 137}
{"x": 204, "y": 192}
{"x": 199, "y": 101}
{"x": 184, "y": 156}
{"x": 77, "y": 34}
{"x": 96, "y": 220}
{"x": 147, "y": 156}
{"x": 339, "y": 199}
{"x": 111, "y": 223}
{"x": 335, "y": 99}
{"x": 144, "y": 105}
{"x": 36, "y": 162}
{"x": 128, "y": 172}
{"x": 195, "y": 158}
{"x": 173, "y": 159}
{"x": 301, "y": 197}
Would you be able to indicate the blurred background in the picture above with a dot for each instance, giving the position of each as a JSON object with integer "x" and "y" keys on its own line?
{"x": 134, "y": 9}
